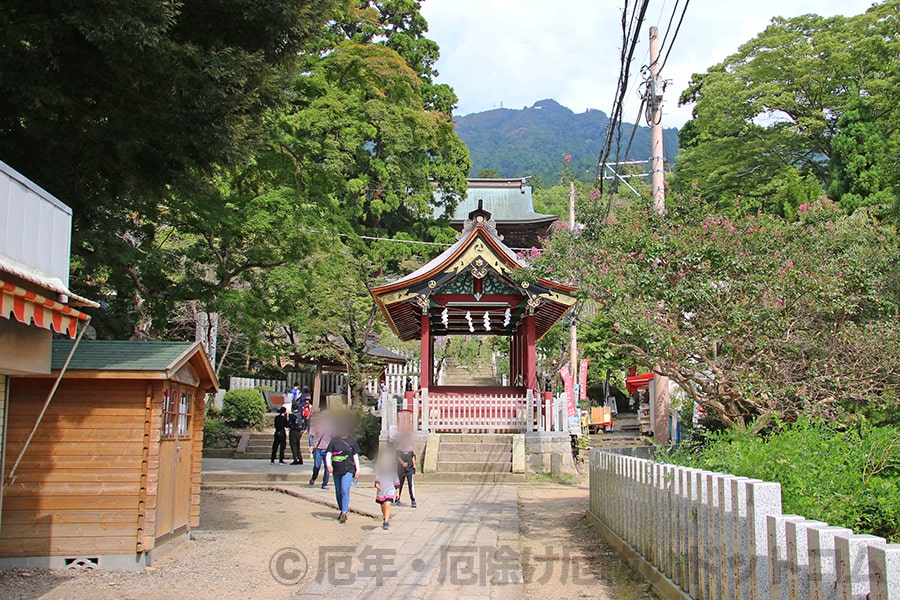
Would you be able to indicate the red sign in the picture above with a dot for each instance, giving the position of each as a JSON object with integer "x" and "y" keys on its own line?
{"x": 569, "y": 386}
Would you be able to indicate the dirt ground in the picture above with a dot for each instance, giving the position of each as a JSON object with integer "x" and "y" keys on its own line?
{"x": 229, "y": 556}
{"x": 563, "y": 555}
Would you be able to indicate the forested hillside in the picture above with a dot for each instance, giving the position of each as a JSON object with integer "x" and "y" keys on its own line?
{"x": 531, "y": 141}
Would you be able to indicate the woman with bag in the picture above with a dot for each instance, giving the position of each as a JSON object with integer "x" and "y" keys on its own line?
{"x": 342, "y": 461}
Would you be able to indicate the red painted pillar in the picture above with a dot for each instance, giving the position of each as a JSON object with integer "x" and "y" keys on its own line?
{"x": 515, "y": 354}
{"x": 425, "y": 368}
{"x": 530, "y": 353}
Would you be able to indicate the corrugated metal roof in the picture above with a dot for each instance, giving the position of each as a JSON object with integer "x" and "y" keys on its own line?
{"x": 506, "y": 200}
{"x": 109, "y": 355}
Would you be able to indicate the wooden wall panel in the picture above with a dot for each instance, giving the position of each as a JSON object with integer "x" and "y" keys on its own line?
{"x": 77, "y": 489}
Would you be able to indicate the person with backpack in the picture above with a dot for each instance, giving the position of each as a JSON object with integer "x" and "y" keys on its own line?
{"x": 319, "y": 439}
{"x": 296, "y": 427}
{"x": 342, "y": 461}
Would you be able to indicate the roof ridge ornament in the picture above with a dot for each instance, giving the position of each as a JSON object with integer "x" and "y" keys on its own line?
{"x": 480, "y": 218}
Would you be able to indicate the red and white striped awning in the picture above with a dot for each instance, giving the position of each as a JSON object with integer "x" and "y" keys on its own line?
{"x": 29, "y": 307}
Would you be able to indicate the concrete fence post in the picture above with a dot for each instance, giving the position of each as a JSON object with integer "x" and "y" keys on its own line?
{"x": 703, "y": 532}
{"x": 713, "y": 538}
{"x": 798, "y": 557}
{"x": 763, "y": 499}
{"x": 884, "y": 572}
{"x": 821, "y": 561}
{"x": 777, "y": 550}
{"x": 851, "y": 560}
{"x": 739, "y": 550}
{"x": 721, "y": 537}
{"x": 693, "y": 529}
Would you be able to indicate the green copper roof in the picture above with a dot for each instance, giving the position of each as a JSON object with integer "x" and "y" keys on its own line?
{"x": 107, "y": 355}
{"x": 508, "y": 200}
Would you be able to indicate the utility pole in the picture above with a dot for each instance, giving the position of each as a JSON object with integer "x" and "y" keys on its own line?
{"x": 573, "y": 329}
{"x": 655, "y": 91}
{"x": 660, "y": 387}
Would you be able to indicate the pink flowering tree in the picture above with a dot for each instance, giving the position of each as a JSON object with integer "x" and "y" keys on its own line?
{"x": 752, "y": 316}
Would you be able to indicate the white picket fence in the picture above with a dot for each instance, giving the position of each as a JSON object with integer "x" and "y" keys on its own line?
{"x": 395, "y": 379}
{"x": 336, "y": 383}
{"x": 717, "y": 536}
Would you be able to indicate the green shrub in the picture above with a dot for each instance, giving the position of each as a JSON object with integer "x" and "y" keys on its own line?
{"x": 848, "y": 477}
{"x": 215, "y": 433}
{"x": 244, "y": 408}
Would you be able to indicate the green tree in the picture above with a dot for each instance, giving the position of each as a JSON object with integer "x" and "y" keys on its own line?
{"x": 861, "y": 174}
{"x": 115, "y": 105}
{"x": 489, "y": 174}
{"x": 751, "y": 316}
{"x": 764, "y": 119}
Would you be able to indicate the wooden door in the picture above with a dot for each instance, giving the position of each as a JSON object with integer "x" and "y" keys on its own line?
{"x": 174, "y": 492}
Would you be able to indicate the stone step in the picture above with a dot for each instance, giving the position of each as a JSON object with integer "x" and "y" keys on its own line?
{"x": 475, "y": 449}
{"x": 492, "y": 457}
{"x": 473, "y": 467}
{"x": 257, "y": 455}
{"x": 470, "y": 478}
{"x": 262, "y": 478}
{"x": 476, "y": 437}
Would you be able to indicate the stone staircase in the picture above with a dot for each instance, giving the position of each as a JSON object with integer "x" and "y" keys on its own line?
{"x": 259, "y": 446}
{"x": 472, "y": 458}
{"x": 259, "y": 443}
{"x": 456, "y": 374}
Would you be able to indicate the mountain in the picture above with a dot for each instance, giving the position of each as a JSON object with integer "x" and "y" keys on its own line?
{"x": 533, "y": 140}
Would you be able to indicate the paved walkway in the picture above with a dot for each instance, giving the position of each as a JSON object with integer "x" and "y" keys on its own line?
{"x": 465, "y": 546}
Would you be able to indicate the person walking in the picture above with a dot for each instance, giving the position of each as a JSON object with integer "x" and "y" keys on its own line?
{"x": 406, "y": 468}
{"x": 296, "y": 427}
{"x": 319, "y": 439}
{"x": 386, "y": 483}
{"x": 280, "y": 440}
{"x": 342, "y": 461}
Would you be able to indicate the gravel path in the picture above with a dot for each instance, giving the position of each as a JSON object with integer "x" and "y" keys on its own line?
{"x": 521, "y": 541}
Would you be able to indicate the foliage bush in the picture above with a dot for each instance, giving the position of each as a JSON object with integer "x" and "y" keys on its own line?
{"x": 845, "y": 476}
{"x": 244, "y": 408}
{"x": 215, "y": 433}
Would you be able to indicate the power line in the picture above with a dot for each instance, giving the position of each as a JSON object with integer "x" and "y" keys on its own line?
{"x": 675, "y": 35}
{"x": 631, "y": 28}
{"x": 669, "y": 26}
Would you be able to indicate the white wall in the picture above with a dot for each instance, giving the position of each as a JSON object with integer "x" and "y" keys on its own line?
{"x": 35, "y": 227}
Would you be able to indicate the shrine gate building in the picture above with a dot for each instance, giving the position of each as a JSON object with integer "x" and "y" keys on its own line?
{"x": 478, "y": 286}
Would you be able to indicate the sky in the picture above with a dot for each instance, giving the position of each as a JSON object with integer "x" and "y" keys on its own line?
{"x": 513, "y": 53}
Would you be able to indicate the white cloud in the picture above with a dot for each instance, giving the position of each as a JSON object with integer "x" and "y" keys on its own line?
{"x": 516, "y": 52}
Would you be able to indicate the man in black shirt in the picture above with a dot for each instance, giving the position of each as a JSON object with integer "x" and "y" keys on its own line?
{"x": 280, "y": 441}
{"x": 297, "y": 425}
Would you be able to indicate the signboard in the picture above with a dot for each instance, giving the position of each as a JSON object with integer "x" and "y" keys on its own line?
{"x": 584, "y": 377}
{"x": 569, "y": 387}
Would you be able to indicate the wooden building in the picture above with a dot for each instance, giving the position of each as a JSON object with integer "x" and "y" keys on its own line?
{"x": 35, "y": 300}
{"x": 510, "y": 202}
{"x": 113, "y": 471}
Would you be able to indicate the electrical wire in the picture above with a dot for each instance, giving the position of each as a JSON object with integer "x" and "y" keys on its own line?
{"x": 669, "y": 26}
{"x": 675, "y": 35}
{"x": 631, "y": 28}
